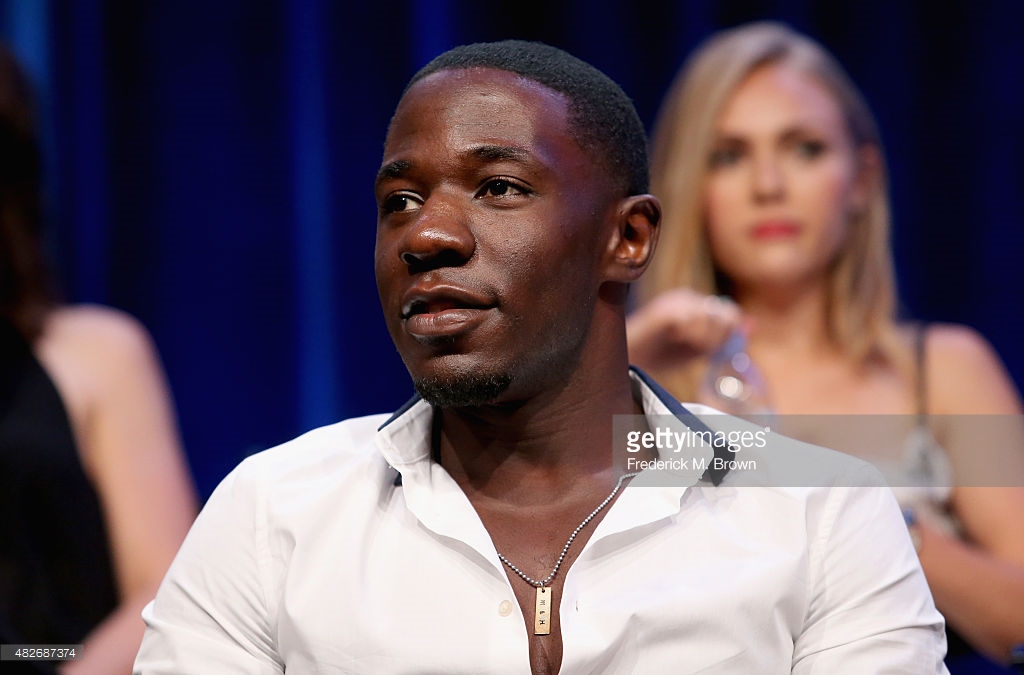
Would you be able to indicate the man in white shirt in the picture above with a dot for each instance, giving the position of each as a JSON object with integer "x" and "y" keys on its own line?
{"x": 489, "y": 526}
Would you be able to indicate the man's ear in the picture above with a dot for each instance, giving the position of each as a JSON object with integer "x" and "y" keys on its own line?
{"x": 632, "y": 244}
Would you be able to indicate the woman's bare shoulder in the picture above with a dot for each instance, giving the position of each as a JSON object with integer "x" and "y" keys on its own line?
{"x": 965, "y": 374}
{"x": 98, "y": 334}
{"x": 96, "y": 323}
{"x": 89, "y": 349}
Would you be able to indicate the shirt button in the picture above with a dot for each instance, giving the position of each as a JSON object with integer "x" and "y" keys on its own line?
{"x": 504, "y": 608}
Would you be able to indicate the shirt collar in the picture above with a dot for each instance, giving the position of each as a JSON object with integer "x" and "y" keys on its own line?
{"x": 405, "y": 438}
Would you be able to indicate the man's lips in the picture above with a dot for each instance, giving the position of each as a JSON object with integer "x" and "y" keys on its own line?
{"x": 442, "y": 311}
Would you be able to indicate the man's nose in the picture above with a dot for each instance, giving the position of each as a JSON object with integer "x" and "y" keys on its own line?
{"x": 440, "y": 236}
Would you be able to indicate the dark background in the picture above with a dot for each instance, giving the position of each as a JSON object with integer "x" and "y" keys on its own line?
{"x": 210, "y": 169}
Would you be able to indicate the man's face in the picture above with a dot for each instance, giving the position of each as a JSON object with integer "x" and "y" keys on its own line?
{"x": 489, "y": 237}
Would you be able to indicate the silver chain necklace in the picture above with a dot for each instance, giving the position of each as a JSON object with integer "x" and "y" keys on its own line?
{"x": 541, "y": 622}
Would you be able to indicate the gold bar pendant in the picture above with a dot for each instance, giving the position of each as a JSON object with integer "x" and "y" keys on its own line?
{"x": 542, "y": 615}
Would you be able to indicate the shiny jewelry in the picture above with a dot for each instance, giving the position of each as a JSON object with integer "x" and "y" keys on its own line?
{"x": 542, "y": 612}
{"x": 913, "y": 527}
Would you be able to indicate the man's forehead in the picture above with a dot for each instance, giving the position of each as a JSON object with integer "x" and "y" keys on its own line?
{"x": 464, "y": 108}
{"x": 480, "y": 86}
{"x": 480, "y": 74}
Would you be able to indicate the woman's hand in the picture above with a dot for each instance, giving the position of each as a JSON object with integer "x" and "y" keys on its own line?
{"x": 678, "y": 326}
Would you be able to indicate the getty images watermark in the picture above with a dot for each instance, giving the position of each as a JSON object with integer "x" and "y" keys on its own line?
{"x": 928, "y": 454}
{"x": 665, "y": 439}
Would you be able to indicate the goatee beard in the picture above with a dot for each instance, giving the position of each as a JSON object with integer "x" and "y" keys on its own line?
{"x": 463, "y": 391}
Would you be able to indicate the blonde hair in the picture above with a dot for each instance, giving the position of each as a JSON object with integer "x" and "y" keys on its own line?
{"x": 861, "y": 286}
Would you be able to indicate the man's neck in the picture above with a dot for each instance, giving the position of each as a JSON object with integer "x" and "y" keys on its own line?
{"x": 531, "y": 450}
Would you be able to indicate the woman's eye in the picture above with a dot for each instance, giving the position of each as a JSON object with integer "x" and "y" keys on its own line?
{"x": 724, "y": 157}
{"x": 399, "y": 202}
{"x": 810, "y": 149}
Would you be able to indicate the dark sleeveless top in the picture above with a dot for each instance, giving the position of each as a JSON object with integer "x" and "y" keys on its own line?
{"x": 56, "y": 576}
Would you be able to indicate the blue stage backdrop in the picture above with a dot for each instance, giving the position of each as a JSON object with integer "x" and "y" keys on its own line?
{"x": 210, "y": 169}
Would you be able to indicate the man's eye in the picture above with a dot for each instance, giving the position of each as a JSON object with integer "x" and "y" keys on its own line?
{"x": 500, "y": 188}
{"x": 399, "y": 202}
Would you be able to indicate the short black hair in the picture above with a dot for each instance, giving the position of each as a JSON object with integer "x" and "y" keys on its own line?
{"x": 601, "y": 115}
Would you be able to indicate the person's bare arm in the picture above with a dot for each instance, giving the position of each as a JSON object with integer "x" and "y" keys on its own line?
{"x": 979, "y": 583}
{"x": 109, "y": 372}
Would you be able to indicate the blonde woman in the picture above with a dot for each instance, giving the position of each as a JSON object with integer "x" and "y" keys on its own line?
{"x": 769, "y": 168}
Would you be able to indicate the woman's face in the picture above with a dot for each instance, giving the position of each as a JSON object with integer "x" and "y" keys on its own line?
{"x": 782, "y": 181}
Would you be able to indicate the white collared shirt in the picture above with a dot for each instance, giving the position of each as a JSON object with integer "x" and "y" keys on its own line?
{"x": 313, "y": 557}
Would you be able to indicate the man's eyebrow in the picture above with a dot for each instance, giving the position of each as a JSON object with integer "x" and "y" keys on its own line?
{"x": 485, "y": 153}
{"x": 497, "y": 153}
{"x": 393, "y": 169}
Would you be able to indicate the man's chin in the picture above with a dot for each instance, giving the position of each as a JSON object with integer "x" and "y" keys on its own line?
{"x": 463, "y": 391}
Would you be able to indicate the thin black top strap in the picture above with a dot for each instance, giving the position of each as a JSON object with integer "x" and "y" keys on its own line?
{"x": 921, "y": 397}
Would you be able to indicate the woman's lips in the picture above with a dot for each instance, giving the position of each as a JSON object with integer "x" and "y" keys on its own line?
{"x": 768, "y": 230}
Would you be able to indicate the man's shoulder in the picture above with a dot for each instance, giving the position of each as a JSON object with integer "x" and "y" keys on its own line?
{"x": 333, "y": 451}
{"x": 761, "y": 454}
